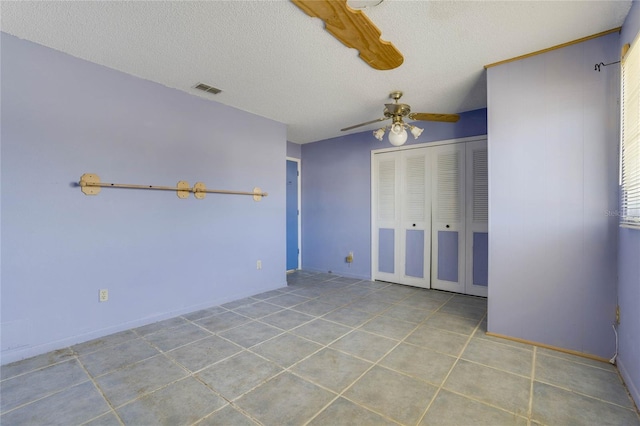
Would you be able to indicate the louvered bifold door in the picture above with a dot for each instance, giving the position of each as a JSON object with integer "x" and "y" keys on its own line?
{"x": 415, "y": 229}
{"x": 386, "y": 220}
{"x": 477, "y": 249}
{"x": 448, "y": 218}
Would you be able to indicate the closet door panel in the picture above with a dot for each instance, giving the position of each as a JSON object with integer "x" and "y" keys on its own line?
{"x": 386, "y": 250}
{"x": 415, "y": 215}
{"x": 385, "y": 235}
{"x": 414, "y": 249}
{"x": 448, "y": 256}
{"x": 448, "y": 221}
{"x": 477, "y": 219}
{"x": 480, "y": 257}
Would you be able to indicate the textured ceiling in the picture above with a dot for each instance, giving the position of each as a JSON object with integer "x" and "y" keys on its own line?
{"x": 271, "y": 59}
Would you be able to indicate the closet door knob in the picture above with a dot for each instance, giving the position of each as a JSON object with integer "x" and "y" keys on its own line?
{"x": 414, "y": 225}
{"x": 447, "y": 226}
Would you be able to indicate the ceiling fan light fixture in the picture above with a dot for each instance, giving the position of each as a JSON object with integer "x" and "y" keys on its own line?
{"x": 397, "y": 135}
{"x": 396, "y": 112}
{"x": 397, "y": 127}
{"x": 416, "y": 131}
{"x": 379, "y": 134}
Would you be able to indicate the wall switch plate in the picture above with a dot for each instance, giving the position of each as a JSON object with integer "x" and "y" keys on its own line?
{"x": 104, "y": 295}
{"x": 259, "y": 264}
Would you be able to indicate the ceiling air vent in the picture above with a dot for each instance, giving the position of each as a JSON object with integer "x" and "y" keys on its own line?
{"x": 207, "y": 88}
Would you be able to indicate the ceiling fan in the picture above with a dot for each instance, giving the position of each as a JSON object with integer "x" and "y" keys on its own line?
{"x": 396, "y": 112}
{"x": 354, "y": 29}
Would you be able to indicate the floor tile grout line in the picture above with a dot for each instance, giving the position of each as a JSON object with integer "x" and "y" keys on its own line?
{"x": 384, "y": 416}
{"x": 635, "y": 407}
{"x": 50, "y": 394}
{"x": 341, "y": 393}
{"x": 585, "y": 395}
{"x": 379, "y": 314}
{"x": 211, "y": 334}
{"x": 122, "y": 367}
{"x": 325, "y": 346}
{"x": 71, "y": 356}
{"x": 107, "y": 346}
{"x": 488, "y": 404}
{"x": 242, "y": 348}
{"x": 495, "y": 368}
{"x": 374, "y": 364}
{"x": 139, "y": 334}
{"x": 499, "y": 341}
{"x": 426, "y": 410}
{"x": 289, "y": 369}
{"x": 533, "y": 376}
{"x": 99, "y": 389}
{"x": 189, "y": 374}
{"x": 228, "y": 401}
{"x": 138, "y": 397}
{"x": 280, "y": 334}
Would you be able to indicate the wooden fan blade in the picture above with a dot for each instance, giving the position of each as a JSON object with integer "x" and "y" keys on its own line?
{"x": 354, "y": 29}
{"x": 364, "y": 124}
{"x": 426, "y": 116}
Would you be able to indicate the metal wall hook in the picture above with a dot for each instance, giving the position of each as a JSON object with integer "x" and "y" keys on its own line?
{"x": 602, "y": 64}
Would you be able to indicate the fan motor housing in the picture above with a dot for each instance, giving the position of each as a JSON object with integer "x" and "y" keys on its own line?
{"x": 394, "y": 110}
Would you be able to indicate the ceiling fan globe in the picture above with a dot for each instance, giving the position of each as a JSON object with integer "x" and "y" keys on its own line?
{"x": 397, "y": 135}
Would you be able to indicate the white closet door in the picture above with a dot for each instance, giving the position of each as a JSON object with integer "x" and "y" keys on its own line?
{"x": 385, "y": 236}
{"x": 415, "y": 225}
{"x": 477, "y": 219}
{"x": 401, "y": 235}
{"x": 448, "y": 218}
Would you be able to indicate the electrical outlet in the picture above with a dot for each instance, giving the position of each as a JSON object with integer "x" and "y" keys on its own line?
{"x": 349, "y": 258}
{"x": 259, "y": 264}
{"x": 104, "y": 295}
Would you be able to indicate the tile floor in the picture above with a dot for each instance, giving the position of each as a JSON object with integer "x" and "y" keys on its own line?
{"x": 324, "y": 350}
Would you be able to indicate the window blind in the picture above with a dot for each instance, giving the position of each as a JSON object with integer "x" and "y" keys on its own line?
{"x": 630, "y": 139}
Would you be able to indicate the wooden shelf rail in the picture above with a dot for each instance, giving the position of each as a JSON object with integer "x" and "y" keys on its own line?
{"x": 90, "y": 184}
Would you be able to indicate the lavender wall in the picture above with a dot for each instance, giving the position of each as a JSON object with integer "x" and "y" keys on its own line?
{"x": 553, "y": 131}
{"x": 336, "y": 194}
{"x": 629, "y": 268}
{"x": 158, "y": 255}
{"x": 294, "y": 150}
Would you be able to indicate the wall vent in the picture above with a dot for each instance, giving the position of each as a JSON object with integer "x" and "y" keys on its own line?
{"x": 207, "y": 88}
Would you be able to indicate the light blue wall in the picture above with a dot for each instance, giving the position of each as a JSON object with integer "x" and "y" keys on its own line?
{"x": 158, "y": 255}
{"x": 553, "y": 138}
{"x": 629, "y": 268}
{"x": 336, "y": 194}
{"x": 293, "y": 150}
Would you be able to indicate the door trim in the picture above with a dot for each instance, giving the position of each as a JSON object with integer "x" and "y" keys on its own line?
{"x": 299, "y": 162}
{"x": 428, "y": 144}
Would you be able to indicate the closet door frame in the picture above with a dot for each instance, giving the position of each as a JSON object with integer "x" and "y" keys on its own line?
{"x": 374, "y": 231}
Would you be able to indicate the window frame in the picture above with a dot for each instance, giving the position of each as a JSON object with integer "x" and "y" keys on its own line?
{"x": 630, "y": 136}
